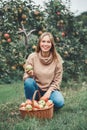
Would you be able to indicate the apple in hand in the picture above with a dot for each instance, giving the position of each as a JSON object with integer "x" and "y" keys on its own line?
{"x": 28, "y": 68}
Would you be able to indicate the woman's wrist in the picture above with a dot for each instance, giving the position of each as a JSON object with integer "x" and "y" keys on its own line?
{"x": 25, "y": 76}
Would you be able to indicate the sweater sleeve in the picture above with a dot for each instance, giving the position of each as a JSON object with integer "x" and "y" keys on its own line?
{"x": 58, "y": 75}
{"x": 29, "y": 60}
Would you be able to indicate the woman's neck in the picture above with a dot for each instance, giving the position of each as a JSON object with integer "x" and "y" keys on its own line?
{"x": 45, "y": 54}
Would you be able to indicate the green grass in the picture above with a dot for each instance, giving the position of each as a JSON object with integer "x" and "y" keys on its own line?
{"x": 73, "y": 116}
{"x": 12, "y": 92}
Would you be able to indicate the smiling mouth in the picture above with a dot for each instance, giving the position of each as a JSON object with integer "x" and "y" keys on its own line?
{"x": 46, "y": 47}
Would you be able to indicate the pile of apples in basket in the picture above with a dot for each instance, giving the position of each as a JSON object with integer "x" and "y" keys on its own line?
{"x": 34, "y": 105}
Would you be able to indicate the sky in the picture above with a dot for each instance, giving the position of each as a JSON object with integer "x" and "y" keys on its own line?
{"x": 76, "y": 6}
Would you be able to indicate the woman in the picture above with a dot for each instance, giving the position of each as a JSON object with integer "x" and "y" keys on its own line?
{"x": 47, "y": 72}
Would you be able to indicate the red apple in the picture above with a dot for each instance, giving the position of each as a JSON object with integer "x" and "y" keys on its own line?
{"x": 63, "y": 34}
{"x": 28, "y": 101}
{"x": 49, "y": 102}
{"x": 22, "y": 104}
{"x": 6, "y": 35}
{"x": 44, "y": 98}
{"x": 35, "y": 104}
{"x": 9, "y": 40}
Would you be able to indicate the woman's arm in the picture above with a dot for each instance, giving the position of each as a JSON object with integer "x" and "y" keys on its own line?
{"x": 29, "y": 61}
{"x": 57, "y": 77}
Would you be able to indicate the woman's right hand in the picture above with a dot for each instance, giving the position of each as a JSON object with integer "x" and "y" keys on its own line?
{"x": 30, "y": 73}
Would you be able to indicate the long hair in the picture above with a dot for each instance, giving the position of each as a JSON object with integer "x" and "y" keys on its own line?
{"x": 53, "y": 49}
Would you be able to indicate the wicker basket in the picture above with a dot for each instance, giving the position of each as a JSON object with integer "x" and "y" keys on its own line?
{"x": 46, "y": 113}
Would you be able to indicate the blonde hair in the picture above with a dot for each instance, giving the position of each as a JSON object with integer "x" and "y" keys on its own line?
{"x": 53, "y": 49}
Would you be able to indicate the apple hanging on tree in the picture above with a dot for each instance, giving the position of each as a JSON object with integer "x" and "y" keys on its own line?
{"x": 6, "y": 35}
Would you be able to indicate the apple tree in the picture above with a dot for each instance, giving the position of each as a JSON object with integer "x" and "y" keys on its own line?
{"x": 67, "y": 33}
{"x": 20, "y": 23}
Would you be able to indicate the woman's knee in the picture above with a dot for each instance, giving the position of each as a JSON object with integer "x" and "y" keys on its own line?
{"x": 28, "y": 83}
{"x": 59, "y": 103}
{"x": 58, "y": 99}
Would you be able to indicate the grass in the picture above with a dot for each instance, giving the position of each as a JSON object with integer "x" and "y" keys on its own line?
{"x": 73, "y": 116}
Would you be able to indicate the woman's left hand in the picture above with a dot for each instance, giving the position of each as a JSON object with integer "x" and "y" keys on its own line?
{"x": 48, "y": 93}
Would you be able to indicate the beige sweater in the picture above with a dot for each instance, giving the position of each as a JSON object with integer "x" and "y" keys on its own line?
{"x": 47, "y": 72}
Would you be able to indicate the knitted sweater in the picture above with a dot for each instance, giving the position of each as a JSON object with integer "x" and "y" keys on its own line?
{"x": 47, "y": 72}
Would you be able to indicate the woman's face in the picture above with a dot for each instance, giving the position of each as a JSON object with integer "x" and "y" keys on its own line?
{"x": 45, "y": 44}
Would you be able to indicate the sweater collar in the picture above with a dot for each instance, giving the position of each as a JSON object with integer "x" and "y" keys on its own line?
{"x": 45, "y": 60}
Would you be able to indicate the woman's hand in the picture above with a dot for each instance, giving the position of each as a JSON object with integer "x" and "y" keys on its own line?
{"x": 48, "y": 93}
{"x": 30, "y": 73}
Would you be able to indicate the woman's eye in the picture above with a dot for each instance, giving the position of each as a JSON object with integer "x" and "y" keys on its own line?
{"x": 46, "y": 41}
{"x": 43, "y": 41}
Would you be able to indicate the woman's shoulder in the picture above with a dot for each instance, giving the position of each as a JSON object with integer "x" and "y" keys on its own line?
{"x": 33, "y": 54}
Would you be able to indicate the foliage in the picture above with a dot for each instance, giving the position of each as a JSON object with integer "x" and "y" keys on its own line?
{"x": 18, "y": 20}
{"x": 70, "y": 38}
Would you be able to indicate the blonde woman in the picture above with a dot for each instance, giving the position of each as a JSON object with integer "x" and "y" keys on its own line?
{"x": 46, "y": 75}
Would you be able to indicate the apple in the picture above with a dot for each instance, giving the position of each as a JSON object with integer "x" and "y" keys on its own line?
{"x": 3, "y": 41}
{"x": 9, "y": 40}
{"x": 24, "y": 16}
{"x": 85, "y": 61}
{"x": 46, "y": 107}
{"x": 41, "y": 106}
{"x": 6, "y": 35}
{"x": 28, "y": 68}
{"x": 41, "y": 102}
{"x": 63, "y": 34}
{"x": 28, "y": 107}
{"x": 35, "y": 109}
{"x": 34, "y": 47}
{"x": 36, "y": 12}
{"x": 44, "y": 98}
{"x": 28, "y": 101}
{"x": 49, "y": 102}
{"x": 22, "y": 108}
{"x": 66, "y": 53}
{"x": 22, "y": 104}
{"x": 40, "y": 32}
{"x": 36, "y": 104}
{"x": 13, "y": 67}
{"x": 58, "y": 13}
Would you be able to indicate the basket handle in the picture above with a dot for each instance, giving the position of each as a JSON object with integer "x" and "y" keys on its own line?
{"x": 34, "y": 95}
